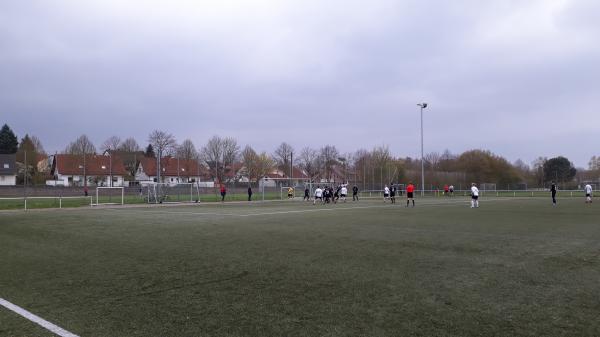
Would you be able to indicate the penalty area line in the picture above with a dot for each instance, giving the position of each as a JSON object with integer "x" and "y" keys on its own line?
{"x": 36, "y": 319}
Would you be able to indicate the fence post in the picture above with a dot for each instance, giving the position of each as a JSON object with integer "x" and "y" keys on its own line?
{"x": 60, "y": 202}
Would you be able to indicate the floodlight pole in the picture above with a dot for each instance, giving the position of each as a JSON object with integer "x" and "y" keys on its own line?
{"x": 423, "y": 106}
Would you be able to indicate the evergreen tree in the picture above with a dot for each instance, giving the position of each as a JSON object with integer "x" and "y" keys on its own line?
{"x": 150, "y": 151}
{"x": 8, "y": 141}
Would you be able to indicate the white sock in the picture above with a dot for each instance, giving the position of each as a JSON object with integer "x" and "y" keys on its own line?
{"x": 472, "y": 203}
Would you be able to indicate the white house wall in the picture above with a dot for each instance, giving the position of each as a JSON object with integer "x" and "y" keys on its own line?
{"x": 8, "y": 180}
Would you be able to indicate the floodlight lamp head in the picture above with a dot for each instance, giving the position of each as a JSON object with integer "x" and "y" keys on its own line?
{"x": 422, "y": 105}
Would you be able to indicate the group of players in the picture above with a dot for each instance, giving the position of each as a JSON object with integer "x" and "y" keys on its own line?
{"x": 328, "y": 194}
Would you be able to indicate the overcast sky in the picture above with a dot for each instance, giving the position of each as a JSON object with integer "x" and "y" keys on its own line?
{"x": 518, "y": 78}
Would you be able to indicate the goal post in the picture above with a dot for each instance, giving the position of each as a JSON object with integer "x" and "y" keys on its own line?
{"x": 110, "y": 196}
{"x": 159, "y": 193}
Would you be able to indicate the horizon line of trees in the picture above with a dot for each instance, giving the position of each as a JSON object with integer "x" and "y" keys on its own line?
{"x": 371, "y": 167}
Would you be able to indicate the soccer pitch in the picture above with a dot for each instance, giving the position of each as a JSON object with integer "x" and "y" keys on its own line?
{"x": 513, "y": 267}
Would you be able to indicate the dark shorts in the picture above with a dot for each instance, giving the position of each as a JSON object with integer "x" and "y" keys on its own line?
{"x": 386, "y": 195}
{"x": 343, "y": 195}
{"x": 588, "y": 195}
{"x": 474, "y": 197}
{"x": 409, "y": 195}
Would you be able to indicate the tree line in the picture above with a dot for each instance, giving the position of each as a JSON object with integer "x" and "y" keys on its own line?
{"x": 372, "y": 168}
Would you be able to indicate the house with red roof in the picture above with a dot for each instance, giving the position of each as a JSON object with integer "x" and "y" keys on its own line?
{"x": 172, "y": 171}
{"x": 72, "y": 170}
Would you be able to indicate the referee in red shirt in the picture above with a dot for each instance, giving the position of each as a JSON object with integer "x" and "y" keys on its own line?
{"x": 410, "y": 190}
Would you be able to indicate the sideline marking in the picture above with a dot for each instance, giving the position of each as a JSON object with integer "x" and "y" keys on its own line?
{"x": 36, "y": 319}
{"x": 426, "y": 203}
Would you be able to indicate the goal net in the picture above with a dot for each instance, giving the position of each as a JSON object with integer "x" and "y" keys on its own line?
{"x": 163, "y": 192}
{"x": 110, "y": 196}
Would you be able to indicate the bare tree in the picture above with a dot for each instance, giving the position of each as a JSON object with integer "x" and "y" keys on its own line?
{"x": 231, "y": 149}
{"x": 433, "y": 158}
{"x": 250, "y": 160}
{"x": 328, "y": 157}
{"x": 309, "y": 162}
{"x": 162, "y": 143}
{"x": 37, "y": 145}
{"x": 82, "y": 147}
{"x": 129, "y": 145}
{"x": 111, "y": 144}
{"x": 212, "y": 154}
{"x": 187, "y": 150}
{"x": 188, "y": 154}
{"x": 283, "y": 156}
{"x": 264, "y": 165}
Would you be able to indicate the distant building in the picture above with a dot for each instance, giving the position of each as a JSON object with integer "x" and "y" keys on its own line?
{"x": 69, "y": 170}
{"x": 173, "y": 171}
{"x": 8, "y": 170}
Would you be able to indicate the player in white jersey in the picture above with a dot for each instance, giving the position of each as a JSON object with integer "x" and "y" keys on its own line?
{"x": 474, "y": 196}
{"x": 386, "y": 193}
{"x": 344, "y": 192}
{"x": 588, "y": 193}
{"x": 318, "y": 195}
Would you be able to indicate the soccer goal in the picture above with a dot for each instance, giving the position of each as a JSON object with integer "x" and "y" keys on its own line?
{"x": 159, "y": 193}
{"x": 110, "y": 196}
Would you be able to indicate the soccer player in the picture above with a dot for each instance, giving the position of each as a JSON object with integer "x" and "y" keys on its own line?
{"x": 474, "y": 196}
{"x": 290, "y": 193}
{"x": 306, "y": 194}
{"x": 393, "y": 193}
{"x": 223, "y": 192}
{"x": 446, "y": 190}
{"x": 344, "y": 192}
{"x": 326, "y": 195}
{"x": 410, "y": 190}
{"x": 553, "y": 191}
{"x": 318, "y": 195}
{"x": 451, "y": 190}
{"x": 588, "y": 193}
{"x": 336, "y": 195}
{"x": 249, "y": 193}
{"x": 386, "y": 193}
{"x": 355, "y": 193}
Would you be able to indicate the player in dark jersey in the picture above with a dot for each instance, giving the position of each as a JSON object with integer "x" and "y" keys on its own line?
{"x": 553, "y": 191}
{"x": 355, "y": 193}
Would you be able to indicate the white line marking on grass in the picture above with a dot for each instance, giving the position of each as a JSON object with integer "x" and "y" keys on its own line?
{"x": 389, "y": 206}
{"x": 36, "y": 319}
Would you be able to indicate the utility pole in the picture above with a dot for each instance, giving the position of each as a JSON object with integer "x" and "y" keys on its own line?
{"x": 423, "y": 106}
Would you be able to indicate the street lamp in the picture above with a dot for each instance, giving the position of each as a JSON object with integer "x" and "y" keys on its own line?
{"x": 423, "y": 106}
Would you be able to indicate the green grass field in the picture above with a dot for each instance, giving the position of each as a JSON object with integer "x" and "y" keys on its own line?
{"x": 513, "y": 267}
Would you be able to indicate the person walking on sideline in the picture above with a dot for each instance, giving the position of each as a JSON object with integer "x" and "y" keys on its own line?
{"x": 410, "y": 191}
{"x": 223, "y": 192}
{"x": 553, "y": 191}
{"x": 588, "y": 194}
{"x": 249, "y": 193}
{"x": 474, "y": 196}
{"x": 306, "y": 194}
